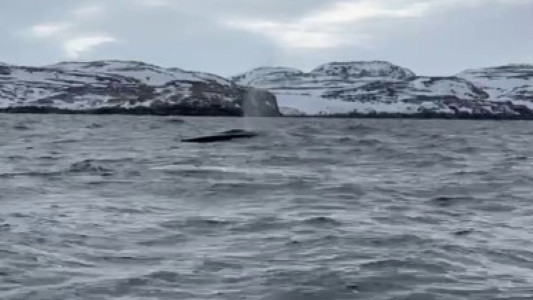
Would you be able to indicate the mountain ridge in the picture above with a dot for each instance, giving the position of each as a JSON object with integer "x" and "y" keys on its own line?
{"x": 353, "y": 88}
{"x": 379, "y": 87}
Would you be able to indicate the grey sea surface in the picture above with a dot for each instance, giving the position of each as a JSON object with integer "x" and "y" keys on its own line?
{"x": 117, "y": 207}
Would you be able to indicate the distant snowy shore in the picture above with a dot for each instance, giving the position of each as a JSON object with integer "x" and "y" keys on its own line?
{"x": 374, "y": 89}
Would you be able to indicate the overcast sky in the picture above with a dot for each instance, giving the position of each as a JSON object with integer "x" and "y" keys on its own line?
{"x": 435, "y": 37}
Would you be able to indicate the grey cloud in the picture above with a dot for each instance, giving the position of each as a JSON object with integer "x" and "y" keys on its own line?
{"x": 282, "y": 9}
{"x": 192, "y": 35}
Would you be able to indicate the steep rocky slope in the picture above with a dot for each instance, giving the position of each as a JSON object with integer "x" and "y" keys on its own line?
{"x": 504, "y": 83}
{"x": 127, "y": 86}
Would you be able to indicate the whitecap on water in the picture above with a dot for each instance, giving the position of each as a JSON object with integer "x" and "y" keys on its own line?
{"x": 231, "y": 170}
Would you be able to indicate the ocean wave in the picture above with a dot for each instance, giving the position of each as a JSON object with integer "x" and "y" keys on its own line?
{"x": 91, "y": 167}
{"x": 315, "y": 209}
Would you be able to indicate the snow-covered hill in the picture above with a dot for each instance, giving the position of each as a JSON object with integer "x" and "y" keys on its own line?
{"x": 505, "y": 83}
{"x": 359, "y": 88}
{"x": 362, "y": 69}
{"x": 338, "y": 88}
{"x": 120, "y": 86}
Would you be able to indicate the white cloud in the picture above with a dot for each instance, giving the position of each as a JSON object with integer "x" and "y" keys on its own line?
{"x": 348, "y": 12}
{"x": 327, "y": 27}
{"x": 153, "y": 3}
{"x": 340, "y": 23}
{"x": 74, "y": 47}
{"x": 49, "y": 29}
{"x": 70, "y": 35}
{"x": 299, "y": 35}
{"x": 90, "y": 11}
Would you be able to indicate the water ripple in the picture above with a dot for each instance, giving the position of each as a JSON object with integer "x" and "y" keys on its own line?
{"x": 101, "y": 207}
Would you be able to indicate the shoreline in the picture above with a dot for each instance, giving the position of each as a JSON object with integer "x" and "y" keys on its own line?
{"x": 195, "y": 112}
